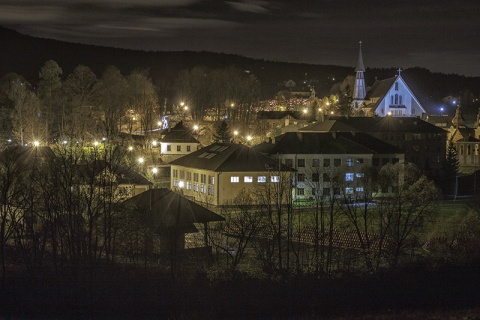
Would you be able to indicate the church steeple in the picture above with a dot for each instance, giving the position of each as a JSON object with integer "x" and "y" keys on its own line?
{"x": 359, "y": 91}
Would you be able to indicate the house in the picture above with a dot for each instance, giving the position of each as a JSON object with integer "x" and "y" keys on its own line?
{"x": 170, "y": 217}
{"x": 331, "y": 163}
{"x": 218, "y": 173}
{"x": 465, "y": 137}
{"x": 273, "y": 123}
{"x": 423, "y": 143}
{"x": 178, "y": 141}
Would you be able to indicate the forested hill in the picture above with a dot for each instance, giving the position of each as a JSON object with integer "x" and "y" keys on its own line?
{"x": 25, "y": 55}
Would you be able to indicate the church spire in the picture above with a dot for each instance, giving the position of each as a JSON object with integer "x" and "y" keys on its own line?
{"x": 359, "y": 91}
{"x": 360, "y": 67}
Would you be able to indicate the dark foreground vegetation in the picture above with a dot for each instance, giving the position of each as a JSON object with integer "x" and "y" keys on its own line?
{"x": 138, "y": 294}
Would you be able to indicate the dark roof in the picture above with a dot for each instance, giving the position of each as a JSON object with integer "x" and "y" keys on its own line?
{"x": 123, "y": 174}
{"x": 180, "y": 133}
{"x": 279, "y": 115}
{"x": 378, "y": 90}
{"x": 228, "y": 157}
{"x": 389, "y": 124}
{"x": 330, "y": 143}
{"x": 163, "y": 210}
{"x": 328, "y": 126}
{"x": 360, "y": 66}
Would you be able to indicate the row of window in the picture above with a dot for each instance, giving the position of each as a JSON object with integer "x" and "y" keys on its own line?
{"x": 188, "y": 176}
{"x": 188, "y": 185}
{"x": 349, "y": 176}
{"x": 249, "y": 179}
{"x": 328, "y": 191}
{"x": 179, "y": 148}
{"x": 350, "y": 162}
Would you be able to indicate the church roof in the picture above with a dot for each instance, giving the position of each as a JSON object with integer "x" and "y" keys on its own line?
{"x": 227, "y": 157}
{"x": 331, "y": 143}
{"x": 180, "y": 134}
{"x": 163, "y": 210}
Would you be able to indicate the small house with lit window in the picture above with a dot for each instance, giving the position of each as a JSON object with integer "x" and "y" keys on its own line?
{"x": 178, "y": 141}
{"x": 218, "y": 173}
{"x": 332, "y": 163}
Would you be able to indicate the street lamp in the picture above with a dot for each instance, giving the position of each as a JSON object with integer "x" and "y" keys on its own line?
{"x": 36, "y": 143}
{"x": 155, "y": 170}
{"x": 141, "y": 160}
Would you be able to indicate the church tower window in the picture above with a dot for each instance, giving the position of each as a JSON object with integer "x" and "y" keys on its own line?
{"x": 396, "y": 86}
{"x": 399, "y": 99}
{"x": 391, "y": 99}
{"x": 396, "y": 98}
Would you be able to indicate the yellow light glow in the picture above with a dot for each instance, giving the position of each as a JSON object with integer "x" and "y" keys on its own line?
{"x": 130, "y": 148}
{"x": 305, "y": 110}
{"x": 141, "y": 160}
{"x": 154, "y": 143}
{"x": 235, "y": 133}
{"x": 36, "y": 143}
{"x": 181, "y": 184}
{"x": 155, "y": 170}
{"x": 249, "y": 138}
{"x": 195, "y": 127}
{"x": 95, "y": 143}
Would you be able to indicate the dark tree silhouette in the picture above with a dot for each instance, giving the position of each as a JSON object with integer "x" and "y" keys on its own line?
{"x": 223, "y": 132}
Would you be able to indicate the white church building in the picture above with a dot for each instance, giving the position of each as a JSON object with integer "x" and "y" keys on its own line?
{"x": 389, "y": 97}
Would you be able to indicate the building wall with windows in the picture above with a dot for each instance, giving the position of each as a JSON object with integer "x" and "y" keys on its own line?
{"x": 218, "y": 188}
{"x": 333, "y": 174}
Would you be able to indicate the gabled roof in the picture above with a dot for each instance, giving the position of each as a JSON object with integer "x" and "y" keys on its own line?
{"x": 228, "y": 157}
{"x": 179, "y": 134}
{"x": 381, "y": 87}
{"x": 330, "y": 143}
{"x": 163, "y": 210}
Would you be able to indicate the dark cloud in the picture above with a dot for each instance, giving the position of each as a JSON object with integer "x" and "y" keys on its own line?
{"x": 436, "y": 34}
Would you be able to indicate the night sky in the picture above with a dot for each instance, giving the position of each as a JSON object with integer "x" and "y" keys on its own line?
{"x": 441, "y": 35}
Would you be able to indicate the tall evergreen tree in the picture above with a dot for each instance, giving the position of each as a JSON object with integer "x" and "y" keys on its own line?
{"x": 223, "y": 132}
{"x": 451, "y": 168}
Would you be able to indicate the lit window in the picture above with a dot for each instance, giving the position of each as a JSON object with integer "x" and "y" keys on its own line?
{"x": 359, "y": 175}
{"x": 359, "y": 189}
{"x": 234, "y": 179}
{"x": 203, "y": 188}
{"x": 189, "y": 185}
{"x": 275, "y": 178}
{"x": 211, "y": 190}
{"x": 262, "y": 179}
{"x": 349, "y": 162}
{"x": 348, "y": 190}
{"x": 359, "y": 160}
{"x": 195, "y": 187}
{"x": 248, "y": 179}
{"x": 348, "y": 176}
{"x": 211, "y": 179}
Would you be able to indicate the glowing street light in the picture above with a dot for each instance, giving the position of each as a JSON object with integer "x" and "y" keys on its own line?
{"x": 195, "y": 127}
{"x": 249, "y": 138}
{"x": 130, "y": 148}
{"x": 154, "y": 143}
{"x": 235, "y": 133}
{"x": 96, "y": 143}
{"x": 141, "y": 160}
{"x": 155, "y": 170}
{"x": 36, "y": 143}
{"x": 305, "y": 111}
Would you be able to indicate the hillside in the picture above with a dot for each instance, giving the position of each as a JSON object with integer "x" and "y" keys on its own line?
{"x": 25, "y": 55}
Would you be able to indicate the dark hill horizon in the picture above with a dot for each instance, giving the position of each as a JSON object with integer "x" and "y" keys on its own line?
{"x": 24, "y": 55}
